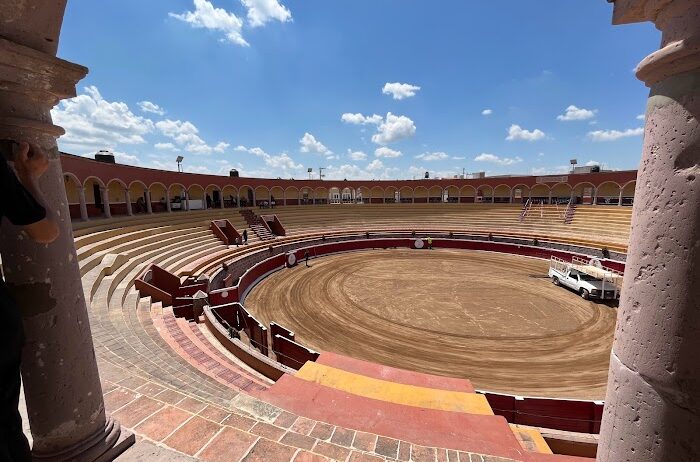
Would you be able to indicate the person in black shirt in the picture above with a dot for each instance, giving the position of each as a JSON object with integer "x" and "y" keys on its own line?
{"x": 22, "y": 204}
{"x": 306, "y": 258}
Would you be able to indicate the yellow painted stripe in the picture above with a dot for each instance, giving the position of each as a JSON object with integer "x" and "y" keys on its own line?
{"x": 397, "y": 393}
{"x": 530, "y": 439}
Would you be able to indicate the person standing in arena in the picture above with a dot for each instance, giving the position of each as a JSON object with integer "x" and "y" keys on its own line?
{"x": 23, "y": 205}
{"x": 306, "y": 257}
{"x": 245, "y": 236}
{"x": 430, "y": 243}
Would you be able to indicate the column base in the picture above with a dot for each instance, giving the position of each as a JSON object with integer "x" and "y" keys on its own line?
{"x": 103, "y": 446}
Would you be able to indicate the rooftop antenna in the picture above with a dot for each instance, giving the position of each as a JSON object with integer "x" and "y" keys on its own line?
{"x": 573, "y": 163}
{"x": 310, "y": 171}
{"x": 179, "y": 163}
{"x": 321, "y": 176}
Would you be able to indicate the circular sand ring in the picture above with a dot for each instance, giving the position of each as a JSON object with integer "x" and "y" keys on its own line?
{"x": 493, "y": 318}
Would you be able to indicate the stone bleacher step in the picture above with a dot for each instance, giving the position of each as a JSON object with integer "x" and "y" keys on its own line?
{"x": 483, "y": 434}
{"x": 393, "y": 374}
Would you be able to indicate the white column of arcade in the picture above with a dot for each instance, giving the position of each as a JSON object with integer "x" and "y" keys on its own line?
{"x": 83, "y": 203}
{"x": 104, "y": 192}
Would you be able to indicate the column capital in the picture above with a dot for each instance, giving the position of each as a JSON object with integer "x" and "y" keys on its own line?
{"x": 679, "y": 22}
{"x": 33, "y": 83}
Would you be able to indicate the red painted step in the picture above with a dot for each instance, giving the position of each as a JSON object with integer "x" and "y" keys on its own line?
{"x": 466, "y": 432}
{"x": 392, "y": 374}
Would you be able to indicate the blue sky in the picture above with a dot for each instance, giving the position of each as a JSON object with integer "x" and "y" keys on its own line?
{"x": 272, "y": 87}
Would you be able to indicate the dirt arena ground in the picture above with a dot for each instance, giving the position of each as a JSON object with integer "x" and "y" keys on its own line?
{"x": 492, "y": 318}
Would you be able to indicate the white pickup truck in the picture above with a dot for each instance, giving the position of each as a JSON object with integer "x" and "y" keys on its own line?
{"x": 584, "y": 284}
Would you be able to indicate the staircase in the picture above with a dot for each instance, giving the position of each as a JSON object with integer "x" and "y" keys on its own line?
{"x": 256, "y": 224}
{"x": 570, "y": 212}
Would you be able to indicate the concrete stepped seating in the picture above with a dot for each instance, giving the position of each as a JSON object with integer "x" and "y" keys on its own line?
{"x": 179, "y": 334}
{"x": 146, "y": 343}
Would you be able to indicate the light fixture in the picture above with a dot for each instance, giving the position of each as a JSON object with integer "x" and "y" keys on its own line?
{"x": 179, "y": 163}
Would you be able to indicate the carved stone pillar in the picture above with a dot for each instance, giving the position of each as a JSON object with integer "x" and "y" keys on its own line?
{"x": 104, "y": 192}
{"x": 59, "y": 370}
{"x": 167, "y": 201}
{"x": 83, "y": 204}
{"x": 149, "y": 206}
{"x": 127, "y": 200}
{"x": 652, "y": 409}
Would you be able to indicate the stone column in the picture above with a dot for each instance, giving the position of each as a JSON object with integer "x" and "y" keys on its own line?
{"x": 149, "y": 206}
{"x": 221, "y": 199}
{"x": 59, "y": 370}
{"x": 167, "y": 201}
{"x": 104, "y": 192}
{"x": 652, "y": 409}
{"x": 187, "y": 201}
{"x": 127, "y": 200}
{"x": 83, "y": 204}
{"x": 619, "y": 200}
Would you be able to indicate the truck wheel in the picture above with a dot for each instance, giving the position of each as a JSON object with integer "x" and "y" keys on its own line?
{"x": 555, "y": 280}
{"x": 584, "y": 294}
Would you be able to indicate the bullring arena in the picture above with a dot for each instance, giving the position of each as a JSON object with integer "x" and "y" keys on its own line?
{"x": 171, "y": 316}
{"x": 379, "y": 346}
{"x": 494, "y": 319}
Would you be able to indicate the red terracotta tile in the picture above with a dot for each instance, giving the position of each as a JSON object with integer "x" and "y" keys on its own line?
{"x": 269, "y": 451}
{"x": 364, "y": 441}
{"x": 150, "y": 389}
{"x": 331, "y": 450}
{"x": 170, "y": 396}
{"x": 298, "y": 440}
{"x": 303, "y": 425}
{"x": 268, "y": 431}
{"x": 322, "y": 431}
{"x": 422, "y": 454}
{"x": 118, "y": 398}
{"x": 285, "y": 419}
{"x": 239, "y": 421}
{"x": 343, "y": 437}
{"x": 304, "y": 456}
{"x": 193, "y": 435}
{"x": 387, "y": 447}
{"x": 191, "y": 404}
{"x": 162, "y": 423}
{"x": 214, "y": 413}
{"x": 359, "y": 457}
{"x": 404, "y": 451}
{"x": 229, "y": 445}
{"x": 132, "y": 382}
{"x": 136, "y": 411}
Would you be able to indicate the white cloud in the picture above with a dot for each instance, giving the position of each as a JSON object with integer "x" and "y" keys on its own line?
{"x": 641, "y": 117}
{"x": 558, "y": 170}
{"x": 207, "y": 16}
{"x": 515, "y": 132}
{"x": 592, "y": 163}
{"x": 310, "y": 144}
{"x": 376, "y": 164}
{"x": 147, "y": 106}
{"x": 394, "y": 128}
{"x": 386, "y": 152}
{"x": 574, "y": 113}
{"x": 281, "y": 162}
{"x": 400, "y": 90}
{"x": 357, "y": 155}
{"x": 359, "y": 119}
{"x": 92, "y": 123}
{"x": 263, "y": 11}
{"x": 430, "y": 156}
{"x": 165, "y": 147}
{"x": 186, "y": 135}
{"x": 613, "y": 135}
{"x": 492, "y": 158}
{"x": 458, "y": 157}
{"x": 487, "y": 112}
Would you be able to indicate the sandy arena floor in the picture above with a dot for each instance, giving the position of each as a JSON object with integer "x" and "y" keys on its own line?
{"x": 492, "y": 318}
